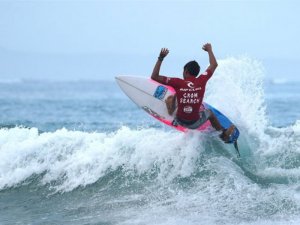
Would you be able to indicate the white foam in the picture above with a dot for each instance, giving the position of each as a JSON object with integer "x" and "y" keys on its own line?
{"x": 225, "y": 197}
{"x": 236, "y": 89}
{"x": 77, "y": 158}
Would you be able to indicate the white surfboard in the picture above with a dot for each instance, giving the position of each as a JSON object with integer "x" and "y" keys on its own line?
{"x": 150, "y": 96}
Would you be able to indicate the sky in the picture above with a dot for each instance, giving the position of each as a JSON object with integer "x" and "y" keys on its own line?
{"x": 101, "y": 39}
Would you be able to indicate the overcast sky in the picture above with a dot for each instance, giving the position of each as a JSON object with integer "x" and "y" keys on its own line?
{"x": 113, "y": 30}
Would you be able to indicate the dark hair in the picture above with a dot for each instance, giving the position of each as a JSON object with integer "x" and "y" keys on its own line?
{"x": 193, "y": 68}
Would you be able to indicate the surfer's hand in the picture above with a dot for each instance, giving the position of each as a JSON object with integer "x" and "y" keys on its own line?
{"x": 207, "y": 47}
{"x": 163, "y": 53}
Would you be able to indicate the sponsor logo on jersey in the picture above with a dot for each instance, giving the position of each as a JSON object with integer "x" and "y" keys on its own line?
{"x": 190, "y": 84}
{"x": 188, "y": 109}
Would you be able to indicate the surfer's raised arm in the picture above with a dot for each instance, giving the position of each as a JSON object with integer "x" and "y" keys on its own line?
{"x": 212, "y": 59}
{"x": 155, "y": 74}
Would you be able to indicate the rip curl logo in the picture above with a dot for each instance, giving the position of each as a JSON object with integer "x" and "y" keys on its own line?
{"x": 205, "y": 73}
{"x": 190, "y": 84}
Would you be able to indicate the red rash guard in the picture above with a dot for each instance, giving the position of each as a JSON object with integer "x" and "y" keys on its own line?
{"x": 190, "y": 94}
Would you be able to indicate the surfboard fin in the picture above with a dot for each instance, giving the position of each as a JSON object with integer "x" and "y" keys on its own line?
{"x": 235, "y": 144}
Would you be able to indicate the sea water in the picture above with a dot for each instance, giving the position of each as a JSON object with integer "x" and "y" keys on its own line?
{"x": 81, "y": 152}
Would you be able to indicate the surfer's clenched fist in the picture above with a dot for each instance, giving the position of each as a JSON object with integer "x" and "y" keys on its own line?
{"x": 207, "y": 47}
{"x": 163, "y": 53}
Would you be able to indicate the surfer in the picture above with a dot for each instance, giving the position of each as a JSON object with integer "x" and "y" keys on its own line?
{"x": 189, "y": 94}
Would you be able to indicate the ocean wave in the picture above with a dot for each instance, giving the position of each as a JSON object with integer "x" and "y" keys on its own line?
{"x": 69, "y": 159}
{"x": 159, "y": 176}
{"x": 78, "y": 158}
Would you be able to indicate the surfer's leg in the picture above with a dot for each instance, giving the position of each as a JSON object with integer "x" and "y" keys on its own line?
{"x": 226, "y": 134}
{"x": 214, "y": 121}
{"x": 171, "y": 104}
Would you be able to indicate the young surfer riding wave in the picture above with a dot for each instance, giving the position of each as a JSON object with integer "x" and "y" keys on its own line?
{"x": 189, "y": 95}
